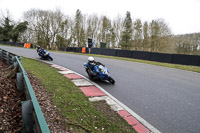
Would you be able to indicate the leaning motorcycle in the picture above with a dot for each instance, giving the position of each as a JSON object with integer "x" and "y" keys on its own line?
{"x": 101, "y": 73}
{"x": 45, "y": 55}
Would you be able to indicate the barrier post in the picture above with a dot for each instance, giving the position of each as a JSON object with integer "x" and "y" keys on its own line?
{"x": 20, "y": 83}
{"x": 28, "y": 45}
{"x": 1, "y": 54}
{"x": 83, "y": 50}
{"x": 7, "y": 58}
{"x": 13, "y": 59}
{"x": 27, "y": 116}
{"x": 89, "y": 50}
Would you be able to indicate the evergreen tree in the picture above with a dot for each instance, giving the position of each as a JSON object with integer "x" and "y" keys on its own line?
{"x": 78, "y": 25}
{"x": 146, "y": 35}
{"x": 106, "y": 25}
{"x": 138, "y": 34}
{"x": 60, "y": 41}
{"x": 89, "y": 29}
{"x": 20, "y": 28}
{"x": 6, "y": 29}
{"x": 127, "y": 32}
{"x": 1, "y": 33}
{"x": 82, "y": 37}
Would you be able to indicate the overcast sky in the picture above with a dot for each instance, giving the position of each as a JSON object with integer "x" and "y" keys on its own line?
{"x": 182, "y": 16}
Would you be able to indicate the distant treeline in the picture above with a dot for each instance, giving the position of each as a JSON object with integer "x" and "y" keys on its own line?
{"x": 53, "y": 29}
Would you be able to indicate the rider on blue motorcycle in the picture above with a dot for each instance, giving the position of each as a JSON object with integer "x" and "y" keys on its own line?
{"x": 90, "y": 66}
{"x": 44, "y": 54}
{"x": 97, "y": 70}
{"x": 40, "y": 51}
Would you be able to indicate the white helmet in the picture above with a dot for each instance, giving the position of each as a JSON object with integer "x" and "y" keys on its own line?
{"x": 91, "y": 60}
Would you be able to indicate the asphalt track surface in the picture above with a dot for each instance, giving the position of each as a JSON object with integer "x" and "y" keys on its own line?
{"x": 167, "y": 98}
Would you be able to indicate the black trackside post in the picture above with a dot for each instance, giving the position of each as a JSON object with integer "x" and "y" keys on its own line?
{"x": 89, "y": 50}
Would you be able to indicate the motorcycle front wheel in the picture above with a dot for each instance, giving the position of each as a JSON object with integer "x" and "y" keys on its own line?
{"x": 89, "y": 74}
{"x": 111, "y": 80}
{"x": 50, "y": 58}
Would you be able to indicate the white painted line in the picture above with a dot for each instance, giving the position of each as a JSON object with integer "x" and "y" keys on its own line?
{"x": 62, "y": 68}
{"x": 109, "y": 101}
{"x": 66, "y": 72}
{"x": 113, "y": 105}
{"x": 116, "y": 107}
{"x": 54, "y": 65}
{"x": 81, "y": 82}
{"x": 94, "y": 99}
{"x": 58, "y": 67}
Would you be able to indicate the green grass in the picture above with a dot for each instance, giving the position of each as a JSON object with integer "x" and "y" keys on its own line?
{"x": 82, "y": 115}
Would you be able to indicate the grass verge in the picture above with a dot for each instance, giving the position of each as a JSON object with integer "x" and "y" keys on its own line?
{"x": 83, "y": 115}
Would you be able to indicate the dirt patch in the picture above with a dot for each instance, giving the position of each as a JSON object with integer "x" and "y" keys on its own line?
{"x": 113, "y": 116}
{"x": 10, "y": 102}
{"x": 105, "y": 108}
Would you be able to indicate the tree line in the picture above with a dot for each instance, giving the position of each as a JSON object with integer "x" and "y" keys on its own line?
{"x": 53, "y": 29}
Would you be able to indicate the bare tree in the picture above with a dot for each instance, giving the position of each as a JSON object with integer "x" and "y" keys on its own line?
{"x": 118, "y": 28}
{"x": 45, "y": 25}
{"x": 52, "y": 28}
{"x": 187, "y": 43}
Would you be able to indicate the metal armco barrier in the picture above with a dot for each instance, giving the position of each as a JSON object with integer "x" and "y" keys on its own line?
{"x": 32, "y": 116}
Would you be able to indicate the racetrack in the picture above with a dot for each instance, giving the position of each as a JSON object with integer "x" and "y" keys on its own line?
{"x": 167, "y": 98}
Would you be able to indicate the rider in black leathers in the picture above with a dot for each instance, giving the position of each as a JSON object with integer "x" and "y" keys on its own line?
{"x": 40, "y": 51}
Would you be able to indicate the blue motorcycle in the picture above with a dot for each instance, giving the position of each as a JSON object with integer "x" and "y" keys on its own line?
{"x": 44, "y": 54}
{"x": 100, "y": 72}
